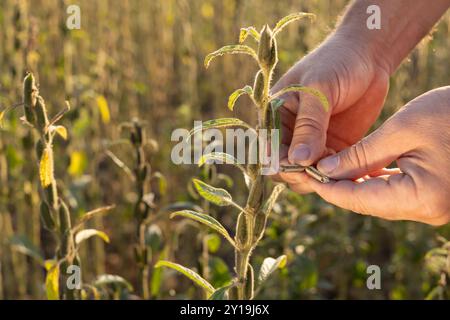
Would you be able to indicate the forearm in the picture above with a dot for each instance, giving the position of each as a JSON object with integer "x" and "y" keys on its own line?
{"x": 403, "y": 24}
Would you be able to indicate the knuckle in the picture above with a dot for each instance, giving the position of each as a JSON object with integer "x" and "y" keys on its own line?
{"x": 309, "y": 124}
{"x": 358, "y": 155}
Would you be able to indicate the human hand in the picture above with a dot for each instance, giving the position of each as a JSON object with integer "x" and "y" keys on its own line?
{"x": 355, "y": 85}
{"x": 418, "y": 138}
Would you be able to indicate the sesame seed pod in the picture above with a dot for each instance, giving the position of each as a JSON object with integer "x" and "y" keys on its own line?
{"x": 52, "y": 194}
{"x": 265, "y": 47}
{"x": 46, "y": 216}
{"x": 249, "y": 283}
{"x": 241, "y": 230}
{"x": 273, "y": 59}
{"x": 29, "y": 97}
{"x": 256, "y": 195}
{"x": 260, "y": 226}
{"x": 258, "y": 87}
{"x": 39, "y": 148}
{"x": 64, "y": 227}
{"x": 41, "y": 113}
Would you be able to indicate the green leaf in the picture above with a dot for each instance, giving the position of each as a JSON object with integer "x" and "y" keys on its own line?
{"x": 270, "y": 202}
{"x": 157, "y": 277}
{"x": 88, "y": 233}
{"x": 46, "y": 167}
{"x": 298, "y": 88}
{"x": 231, "y": 49}
{"x": 213, "y": 242}
{"x": 206, "y": 220}
{"x": 269, "y": 265}
{"x": 222, "y": 157}
{"x": 221, "y": 293}
{"x": 226, "y": 178}
{"x": 236, "y": 94}
{"x": 219, "y": 123}
{"x": 194, "y": 276}
{"x": 162, "y": 182}
{"x": 181, "y": 205}
{"x": 218, "y": 196}
{"x": 249, "y": 31}
{"x": 52, "y": 280}
{"x": 24, "y": 246}
{"x": 291, "y": 18}
{"x": 109, "y": 279}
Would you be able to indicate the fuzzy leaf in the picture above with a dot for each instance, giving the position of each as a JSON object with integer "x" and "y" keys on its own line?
{"x": 219, "y": 123}
{"x": 220, "y": 294}
{"x": 108, "y": 279}
{"x": 249, "y": 31}
{"x": 52, "y": 280}
{"x": 90, "y": 214}
{"x": 269, "y": 265}
{"x": 291, "y": 18}
{"x": 298, "y": 88}
{"x": 61, "y": 130}
{"x": 46, "y": 167}
{"x": 218, "y": 196}
{"x": 23, "y": 245}
{"x": 236, "y": 94}
{"x": 231, "y": 49}
{"x": 270, "y": 202}
{"x": 181, "y": 205}
{"x": 206, "y": 220}
{"x": 88, "y": 233}
{"x": 194, "y": 276}
{"x": 222, "y": 157}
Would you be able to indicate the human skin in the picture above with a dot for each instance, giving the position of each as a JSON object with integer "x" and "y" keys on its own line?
{"x": 352, "y": 68}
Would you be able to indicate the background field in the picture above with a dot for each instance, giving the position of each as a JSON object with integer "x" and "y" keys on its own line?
{"x": 145, "y": 58}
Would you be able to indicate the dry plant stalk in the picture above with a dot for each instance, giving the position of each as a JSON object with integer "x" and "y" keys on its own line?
{"x": 145, "y": 211}
{"x": 54, "y": 211}
{"x": 251, "y": 221}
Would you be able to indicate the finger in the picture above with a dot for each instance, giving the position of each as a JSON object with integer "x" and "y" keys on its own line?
{"x": 309, "y": 134}
{"x": 372, "y": 153}
{"x": 389, "y": 197}
{"x": 384, "y": 172}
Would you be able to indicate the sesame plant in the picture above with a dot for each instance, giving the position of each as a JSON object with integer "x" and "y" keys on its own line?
{"x": 252, "y": 217}
{"x": 54, "y": 211}
{"x": 437, "y": 262}
{"x": 145, "y": 210}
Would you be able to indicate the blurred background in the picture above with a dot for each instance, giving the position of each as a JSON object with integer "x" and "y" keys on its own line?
{"x": 136, "y": 59}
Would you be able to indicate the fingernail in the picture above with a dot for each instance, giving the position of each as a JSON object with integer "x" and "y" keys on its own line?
{"x": 328, "y": 165}
{"x": 300, "y": 153}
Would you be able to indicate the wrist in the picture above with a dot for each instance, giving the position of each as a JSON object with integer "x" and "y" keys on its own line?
{"x": 367, "y": 45}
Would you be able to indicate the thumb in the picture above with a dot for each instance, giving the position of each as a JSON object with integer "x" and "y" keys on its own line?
{"x": 309, "y": 134}
{"x": 374, "y": 152}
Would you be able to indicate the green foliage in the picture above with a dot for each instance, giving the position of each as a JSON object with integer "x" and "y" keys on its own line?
{"x": 206, "y": 220}
{"x": 195, "y": 277}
